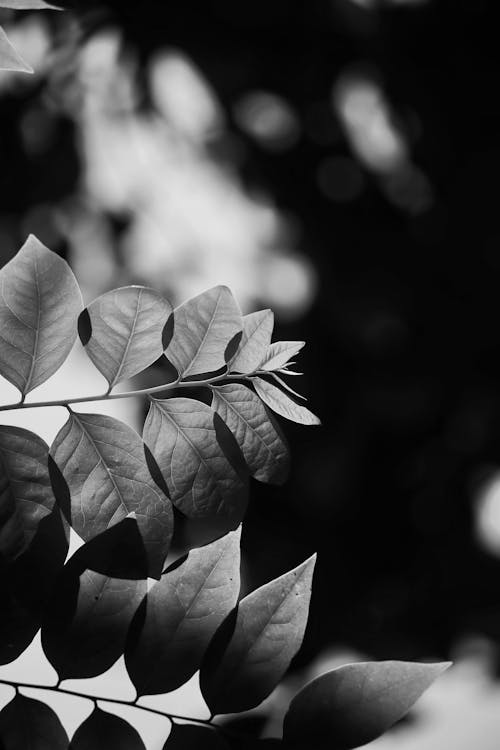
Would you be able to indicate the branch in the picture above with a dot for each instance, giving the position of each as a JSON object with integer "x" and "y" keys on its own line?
{"x": 131, "y": 394}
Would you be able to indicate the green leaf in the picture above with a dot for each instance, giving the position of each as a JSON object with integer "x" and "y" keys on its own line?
{"x": 28, "y": 724}
{"x": 268, "y": 631}
{"x": 282, "y": 404}
{"x": 356, "y": 703}
{"x": 87, "y": 622}
{"x": 257, "y": 332}
{"x": 10, "y": 59}
{"x": 244, "y": 413}
{"x": 280, "y": 353}
{"x": 27, "y": 5}
{"x": 204, "y": 326}
{"x": 192, "y": 737}
{"x": 180, "y": 615}
{"x": 200, "y": 479}
{"x": 25, "y": 491}
{"x": 103, "y": 463}
{"x": 39, "y": 306}
{"x": 122, "y": 331}
{"x": 105, "y": 731}
{"x": 27, "y": 584}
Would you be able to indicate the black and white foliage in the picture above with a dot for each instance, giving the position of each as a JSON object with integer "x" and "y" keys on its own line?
{"x": 117, "y": 490}
{"x": 10, "y": 59}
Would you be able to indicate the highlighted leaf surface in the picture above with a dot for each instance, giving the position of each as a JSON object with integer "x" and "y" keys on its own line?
{"x": 356, "y": 703}
{"x": 280, "y": 403}
{"x": 280, "y": 353}
{"x": 39, "y": 306}
{"x": 203, "y": 328}
{"x": 125, "y": 331}
{"x": 200, "y": 479}
{"x": 255, "y": 340}
{"x": 181, "y": 613}
{"x": 268, "y": 632}
{"x": 10, "y": 59}
{"x": 104, "y": 466}
{"x": 245, "y": 415}
{"x": 25, "y": 491}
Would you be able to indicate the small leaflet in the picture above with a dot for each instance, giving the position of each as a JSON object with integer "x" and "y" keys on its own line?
{"x": 25, "y": 492}
{"x": 280, "y": 353}
{"x": 255, "y": 340}
{"x": 193, "y": 737}
{"x": 87, "y": 622}
{"x": 204, "y": 326}
{"x": 10, "y": 59}
{"x": 103, "y": 463}
{"x": 268, "y": 631}
{"x": 356, "y": 703}
{"x": 125, "y": 328}
{"x": 264, "y": 451}
{"x": 105, "y": 731}
{"x": 181, "y": 613}
{"x": 201, "y": 482}
{"x": 39, "y": 306}
{"x": 280, "y": 403}
{"x": 29, "y": 724}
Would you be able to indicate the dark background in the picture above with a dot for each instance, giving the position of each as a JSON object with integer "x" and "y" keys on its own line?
{"x": 402, "y": 339}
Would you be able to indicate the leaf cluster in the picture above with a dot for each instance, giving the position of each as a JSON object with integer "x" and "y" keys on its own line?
{"x": 121, "y": 491}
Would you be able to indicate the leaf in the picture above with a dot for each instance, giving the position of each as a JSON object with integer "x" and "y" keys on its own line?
{"x": 282, "y": 404}
{"x": 122, "y": 331}
{"x": 28, "y": 724}
{"x": 103, "y": 463}
{"x": 25, "y": 492}
{"x": 39, "y": 306}
{"x": 257, "y": 332}
{"x": 284, "y": 385}
{"x": 200, "y": 479}
{"x": 203, "y": 328}
{"x": 105, "y": 731}
{"x": 245, "y": 415}
{"x": 10, "y": 59}
{"x": 191, "y": 737}
{"x": 26, "y": 586}
{"x": 27, "y": 5}
{"x": 280, "y": 353}
{"x": 87, "y": 621}
{"x": 182, "y": 612}
{"x": 356, "y": 703}
{"x": 268, "y": 631}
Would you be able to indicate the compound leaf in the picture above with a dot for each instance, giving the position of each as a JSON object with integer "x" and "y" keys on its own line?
{"x": 27, "y": 584}
{"x": 10, "y": 59}
{"x": 39, "y": 306}
{"x": 103, "y": 463}
{"x": 245, "y": 415}
{"x": 201, "y": 481}
{"x": 279, "y": 353}
{"x": 280, "y": 403}
{"x": 182, "y": 612}
{"x": 356, "y": 703}
{"x": 255, "y": 340}
{"x": 104, "y": 731}
{"x": 86, "y": 625}
{"x": 204, "y": 326}
{"x": 25, "y": 492}
{"x": 32, "y": 725}
{"x": 268, "y": 631}
{"x": 191, "y": 737}
{"x": 122, "y": 331}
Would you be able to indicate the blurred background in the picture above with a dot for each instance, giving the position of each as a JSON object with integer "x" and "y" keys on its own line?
{"x": 338, "y": 161}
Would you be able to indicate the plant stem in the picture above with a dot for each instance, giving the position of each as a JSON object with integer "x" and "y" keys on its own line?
{"x": 95, "y": 698}
{"x": 131, "y": 394}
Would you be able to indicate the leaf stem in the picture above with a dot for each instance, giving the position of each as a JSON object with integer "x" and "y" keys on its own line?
{"x": 131, "y": 394}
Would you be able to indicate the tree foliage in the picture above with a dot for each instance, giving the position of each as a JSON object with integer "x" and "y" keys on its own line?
{"x": 117, "y": 490}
